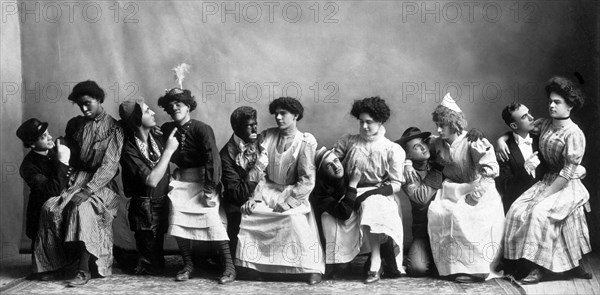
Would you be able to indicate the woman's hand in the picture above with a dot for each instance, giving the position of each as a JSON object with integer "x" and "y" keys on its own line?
{"x": 80, "y": 197}
{"x": 354, "y": 177}
{"x": 410, "y": 174}
{"x": 248, "y": 207}
{"x": 172, "y": 142}
{"x": 281, "y": 207}
{"x": 502, "y": 151}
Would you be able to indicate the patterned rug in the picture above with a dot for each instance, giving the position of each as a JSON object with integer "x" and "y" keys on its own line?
{"x": 204, "y": 282}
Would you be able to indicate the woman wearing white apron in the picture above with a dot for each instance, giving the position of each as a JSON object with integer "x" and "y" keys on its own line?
{"x": 195, "y": 185}
{"x": 374, "y": 166}
{"x": 278, "y": 232}
{"x": 466, "y": 217}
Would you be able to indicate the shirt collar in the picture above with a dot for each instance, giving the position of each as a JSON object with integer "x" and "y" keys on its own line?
{"x": 522, "y": 140}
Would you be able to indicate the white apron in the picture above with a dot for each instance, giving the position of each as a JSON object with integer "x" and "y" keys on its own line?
{"x": 344, "y": 238}
{"x": 193, "y": 215}
{"x": 464, "y": 238}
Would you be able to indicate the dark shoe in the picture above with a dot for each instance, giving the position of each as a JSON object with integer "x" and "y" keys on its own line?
{"x": 183, "y": 275}
{"x": 580, "y": 273}
{"x": 373, "y": 276}
{"x": 315, "y": 278}
{"x": 81, "y": 278}
{"x": 534, "y": 277}
{"x": 227, "y": 277}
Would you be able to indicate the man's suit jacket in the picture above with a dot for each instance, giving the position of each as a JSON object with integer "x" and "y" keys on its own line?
{"x": 514, "y": 179}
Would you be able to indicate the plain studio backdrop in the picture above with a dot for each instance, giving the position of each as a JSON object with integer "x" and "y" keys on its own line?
{"x": 327, "y": 54}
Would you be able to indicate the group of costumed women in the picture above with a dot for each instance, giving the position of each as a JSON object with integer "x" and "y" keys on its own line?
{"x": 274, "y": 203}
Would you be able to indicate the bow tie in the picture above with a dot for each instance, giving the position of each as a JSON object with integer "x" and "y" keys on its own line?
{"x": 526, "y": 141}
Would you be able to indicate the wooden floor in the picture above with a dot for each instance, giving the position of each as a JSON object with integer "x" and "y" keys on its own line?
{"x": 573, "y": 286}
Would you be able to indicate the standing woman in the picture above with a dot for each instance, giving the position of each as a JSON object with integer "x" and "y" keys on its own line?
{"x": 466, "y": 218}
{"x": 546, "y": 226}
{"x": 195, "y": 192}
{"x": 77, "y": 225}
{"x": 278, "y": 232}
{"x": 374, "y": 166}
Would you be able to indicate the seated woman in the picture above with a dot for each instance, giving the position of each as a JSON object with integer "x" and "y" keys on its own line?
{"x": 466, "y": 218}
{"x": 278, "y": 233}
{"x": 546, "y": 227}
{"x": 373, "y": 165}
{"x": 195, "y": 186}
{"x": 77, "y": 224}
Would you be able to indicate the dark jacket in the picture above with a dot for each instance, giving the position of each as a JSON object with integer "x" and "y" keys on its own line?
{"x": 144, "y": 199}
{"x": 514, "y": 179}
{"x": 46, "y": 177}
{"x": 237, "y": 188}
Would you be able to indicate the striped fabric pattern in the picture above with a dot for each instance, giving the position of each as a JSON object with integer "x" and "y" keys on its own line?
{"x": 100, "y": 141}
{"x": 552, "y": 231}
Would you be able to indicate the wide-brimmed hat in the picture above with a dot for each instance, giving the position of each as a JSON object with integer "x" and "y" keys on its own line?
{"x": 321, "y": 155}
{"x": 412, "y": 133}
{"x": 31, "y": 130}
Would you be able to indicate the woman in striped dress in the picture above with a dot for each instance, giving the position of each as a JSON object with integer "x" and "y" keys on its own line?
{"x": 76, "y": 226}
{"x": 546, "y": 226}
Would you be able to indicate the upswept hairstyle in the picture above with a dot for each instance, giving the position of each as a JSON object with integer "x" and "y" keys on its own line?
{"x": 508, "y": 110}
{"x": 562, "y": 86}
{"x": 292, "y": 105}
{"x": 240, "y": 116}
{"x": 447, "y": 117}
{"x": 89, "y": 88}
{"x": 177, "y": 95}
{"x": 374, "y": 106}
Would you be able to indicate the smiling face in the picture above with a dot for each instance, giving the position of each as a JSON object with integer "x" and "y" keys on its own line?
{"x": 248, "y": 131}
{"x": 367, "y": 125}
{"x": 332, "y": 167}
{"x": 523, "y": 120}
{"x": 558, "y": 107}
{"x": 89, "y": 106}
{"x": 148, "y": 120}
{"x": 43, "y": 143}
{"x": 417, "y": 150}
{"x": 179, "y": 111}
{"x": 284, "y": 118}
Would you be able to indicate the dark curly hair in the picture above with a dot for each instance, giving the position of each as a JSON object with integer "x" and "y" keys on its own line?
{"x": 374, "y": 106}
{"x": 289, "y": 104}
{"x": 177, "y": 95}
{"x": 240, "y": 116}
{"x": 446, "y": 117}
{"x": 89, "y": 88}
{"x": 507, "y": 112}
{"x": 567, "y": 90}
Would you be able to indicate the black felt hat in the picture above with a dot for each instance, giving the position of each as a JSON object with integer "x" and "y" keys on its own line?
{"x": 411, "y": 133}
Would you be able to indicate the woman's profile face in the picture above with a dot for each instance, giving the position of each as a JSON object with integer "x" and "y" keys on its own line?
{"x": 285, "y": 118}
{"x": 558, "y": 107}
{"x": 332, "y": 167}
{"x": 367, "y": 125}
{"x": 443, "y": 130}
